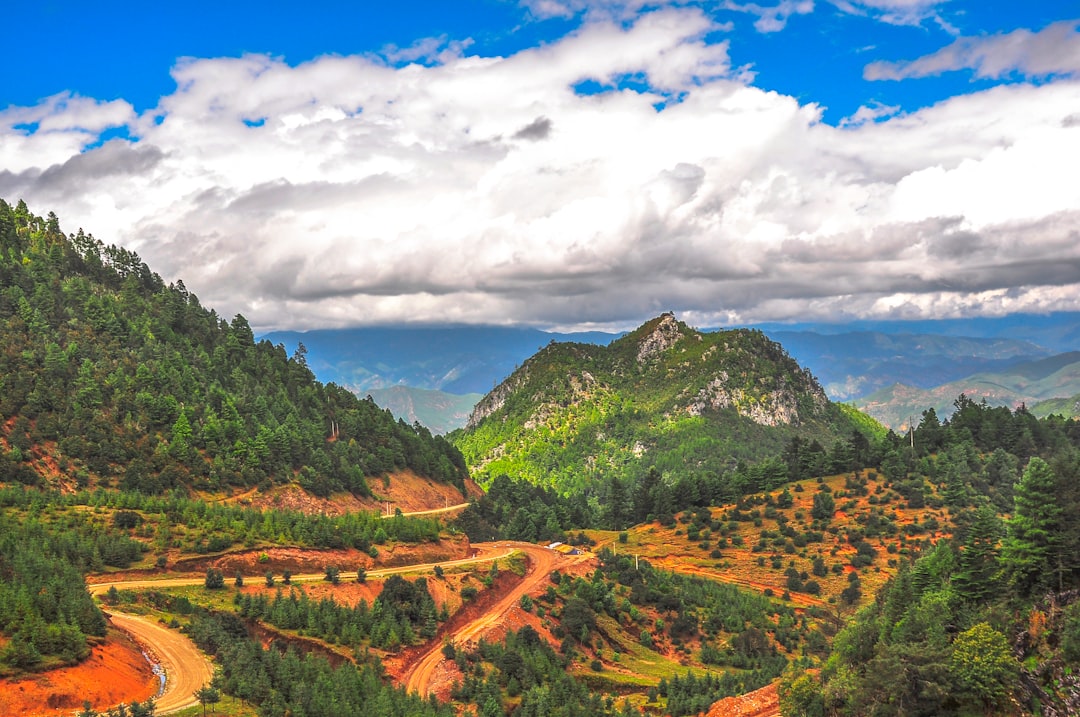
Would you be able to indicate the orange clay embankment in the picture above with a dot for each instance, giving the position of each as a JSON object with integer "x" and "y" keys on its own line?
{"x": 116, "y": 671}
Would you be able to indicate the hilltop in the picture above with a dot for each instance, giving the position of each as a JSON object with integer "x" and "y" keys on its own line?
{"x": 664, "y": 396}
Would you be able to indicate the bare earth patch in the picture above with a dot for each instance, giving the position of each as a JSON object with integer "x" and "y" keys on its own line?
{"x": 116, "y": 671}
{"x": 759, "y": 703}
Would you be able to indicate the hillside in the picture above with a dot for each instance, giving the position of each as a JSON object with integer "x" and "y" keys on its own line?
{"x": 111, "y": 378}
{"x": 1065, "y": 407}
{"x": 663, "y": 396}
{"x": 1026, "y": 383}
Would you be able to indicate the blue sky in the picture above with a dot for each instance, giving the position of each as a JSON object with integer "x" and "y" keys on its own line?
{"x": 561, "y": 163}
{"x": 121, "y": 51}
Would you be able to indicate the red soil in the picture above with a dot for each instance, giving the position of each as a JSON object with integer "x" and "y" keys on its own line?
{"x": 115, "y": 672}
{"x": 405, "y": 491}
{"x": 759, "y": 703}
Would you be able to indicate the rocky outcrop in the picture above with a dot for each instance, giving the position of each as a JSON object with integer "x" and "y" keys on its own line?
{"x": 495, "y": 400}
{"x": 775, "y": 406}
{"x": 664, "y": 335}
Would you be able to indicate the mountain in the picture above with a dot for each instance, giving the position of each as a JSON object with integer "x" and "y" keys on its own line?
{"x": 1026, "y": 383}
{"x": 856, "y": 363}
{"x": 111, "y": 378}
{"x": 439, "y": 411}
{"x": 458, "y": 360}
{"x": 664, "y": 396}
{"x": 851, "y": 360}
{"x": 1058, "y": 332}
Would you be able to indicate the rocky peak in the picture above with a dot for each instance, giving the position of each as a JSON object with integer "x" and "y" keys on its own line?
{"x": 663, "y": 336}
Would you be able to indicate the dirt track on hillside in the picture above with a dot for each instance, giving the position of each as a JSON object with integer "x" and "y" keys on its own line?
{"x": 421, "y": 674}
{"x": 186, "y": 668}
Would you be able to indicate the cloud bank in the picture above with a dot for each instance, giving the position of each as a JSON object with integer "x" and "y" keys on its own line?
{"x": 624, "y": 170}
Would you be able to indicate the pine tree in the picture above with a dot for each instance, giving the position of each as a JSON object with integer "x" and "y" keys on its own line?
{"x": 1029, "y": 552}
{"x": 976, "y": 576}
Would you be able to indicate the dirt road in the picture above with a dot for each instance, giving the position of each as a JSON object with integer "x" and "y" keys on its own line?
{"x": 432, "y": 511}
{"x": 542, "y": 561}
{"x": 485, "y": 552}
{"x": 186, "y": 668}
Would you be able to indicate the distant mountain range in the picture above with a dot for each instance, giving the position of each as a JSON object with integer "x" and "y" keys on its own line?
{"x": 458, "y": 360}
{"x": 439, "y": 411}
{"x": 853, "y": 360}
{"x": 855, "y": 364}
{"x": 1029, "y": 383}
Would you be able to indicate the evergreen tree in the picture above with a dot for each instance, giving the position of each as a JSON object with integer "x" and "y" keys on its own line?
{"x": 1030, "y": 550}
{"x": 978, "y": 567}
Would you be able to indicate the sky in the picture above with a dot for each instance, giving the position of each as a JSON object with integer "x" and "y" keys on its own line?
{"x": 563, "y": 164}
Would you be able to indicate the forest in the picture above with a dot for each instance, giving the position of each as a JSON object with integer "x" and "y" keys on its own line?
{"x": 986, "y": 622}
{"x": 113, "y": 378}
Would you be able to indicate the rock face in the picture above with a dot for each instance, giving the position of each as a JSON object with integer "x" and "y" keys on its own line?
{"x": 664, "y": 336}
{"x": 775, "y": 406}
{"x": 495, "y": 400}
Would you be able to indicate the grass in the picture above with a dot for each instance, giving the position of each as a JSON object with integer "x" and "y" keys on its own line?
{"x": 228, "y": 707}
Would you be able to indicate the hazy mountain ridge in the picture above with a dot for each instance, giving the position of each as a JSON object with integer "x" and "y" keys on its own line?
{"x": 854, "y": 364}
{"x": 1056, "y": 377}
{"x": 439, "y": 411}
{"x": 664, "y": 395}
{"x": 457, "y": 360}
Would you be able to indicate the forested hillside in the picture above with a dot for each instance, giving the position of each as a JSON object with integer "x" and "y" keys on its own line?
{"x": 665, "y": 396}
{"x": 111, "y": 377}
{"x": 987, "y": 622}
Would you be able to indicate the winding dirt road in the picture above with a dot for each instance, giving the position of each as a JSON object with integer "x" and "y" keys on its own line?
{"x": 419, "y": 676}
{"x": 187, "y": 669}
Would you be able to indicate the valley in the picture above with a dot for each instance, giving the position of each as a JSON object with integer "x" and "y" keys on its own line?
{"x": 672, "y": 523}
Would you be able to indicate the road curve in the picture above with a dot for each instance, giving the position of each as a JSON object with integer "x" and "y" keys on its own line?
{"x": 186, "y": 668}
{"x": 419, "y": 676}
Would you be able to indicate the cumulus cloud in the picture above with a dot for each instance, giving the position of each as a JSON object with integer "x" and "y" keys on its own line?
{"x": 473, "y": 189}
{"x": 1055, "y": 50}
{"x": 55, "y": 129}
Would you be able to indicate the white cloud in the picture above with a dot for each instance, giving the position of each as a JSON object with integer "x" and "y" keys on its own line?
{"x": 872, "y": 112}
{"x": 1055, "y": 50}
{"x": 897, "y": 12}
{"x": 772, "y": 18}
{"x": 485, "y": 189}
{"x": 55, "y": 129}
